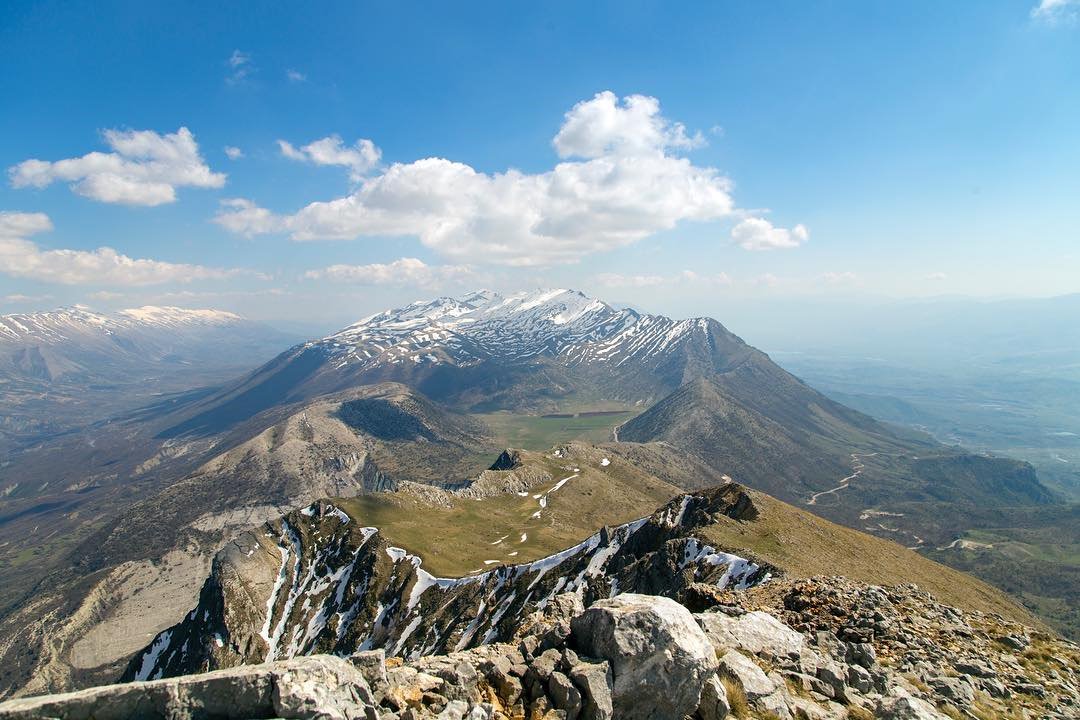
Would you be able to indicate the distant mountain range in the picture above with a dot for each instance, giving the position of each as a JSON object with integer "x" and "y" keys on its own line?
{"x": 64, "y": 368}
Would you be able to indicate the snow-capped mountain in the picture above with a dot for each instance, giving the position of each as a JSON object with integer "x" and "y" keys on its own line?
{"x": 67, "y": 324}
{"x": 484, "y": 350}
{"x": 483, "y": 325}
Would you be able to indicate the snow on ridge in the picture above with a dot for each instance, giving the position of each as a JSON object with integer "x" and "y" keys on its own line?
{"x": 561, "y": 323}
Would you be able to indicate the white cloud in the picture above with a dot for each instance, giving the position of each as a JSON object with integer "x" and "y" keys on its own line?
{"x": 20, "y": 257}
{"x": 20, "y": 299}
{"x": 241, "y": 67}
{"x": 616, "y": 280}
{"x": 604, "y": 126}
{"x": 145, "y": 168}
{"x": 1052, "y": 11}
{"x": 105, "y": 295}
{"x": 767, "y": 280}
{"x": 840, "y": 278}
{"x": 759, "y": 234}
{"x": 295, "y": 76}
{"x": 936, "y": 276}
{"x": 629, "y": 186}
{"x": 359, "y": 158}
{"x": 233, "y": 152}
{"x": 405, "y": 271}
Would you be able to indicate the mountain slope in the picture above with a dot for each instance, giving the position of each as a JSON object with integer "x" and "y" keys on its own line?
{"x": 142, "y": 564}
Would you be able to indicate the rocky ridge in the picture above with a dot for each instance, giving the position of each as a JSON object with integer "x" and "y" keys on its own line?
{"x": 648, "y": 657}
{"x": 317, "y": 581}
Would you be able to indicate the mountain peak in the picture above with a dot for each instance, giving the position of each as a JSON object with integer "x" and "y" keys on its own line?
{"x": 482, "y": 324}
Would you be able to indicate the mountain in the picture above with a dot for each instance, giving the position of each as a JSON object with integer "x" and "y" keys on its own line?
{"x": 522, "y": 352}
{"x": 65, "y": 368}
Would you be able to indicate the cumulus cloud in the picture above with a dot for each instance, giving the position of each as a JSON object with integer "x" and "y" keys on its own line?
{"x": 759, "y": 234}
{"x": 233, "y": 153}
{"x": 405, "y": 271}
{"x": 1053, "y": 11}
{"x": 240, "y": 67}
{"x": 767, "y": 280}
{"x": 295, "y": 76}
{"x": 361, "y": 157}
{"x": 620, "y": 181}
{"x": 936, "y": 276}
{"x": 605, "y": 126}
{"x": 20, "y": 257}
{"x": 145, "y": 168}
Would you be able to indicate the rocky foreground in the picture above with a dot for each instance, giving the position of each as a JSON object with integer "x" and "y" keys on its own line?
{"x": 815, "y": 649}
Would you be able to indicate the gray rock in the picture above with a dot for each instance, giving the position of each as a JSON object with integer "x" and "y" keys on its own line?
{"x": 860, "y": 678}
{"x": 901, "y": 706}
{"x": 595, "y": 682}
{"x": 975, "y": 668}
{"x": 659, "y": 656}
{"x": 957, "y": 690}
{"x": 756, "y": 632}
{"x": 752, "y": 679}
{"x": 372, "y": 665}
{"x": 455, "y": 710}
{"x": 319, "y": 687}
{"x": 714, "y": 702}
{"x": 565, "y": 696}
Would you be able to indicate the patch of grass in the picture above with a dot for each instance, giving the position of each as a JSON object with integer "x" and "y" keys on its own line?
{"x": 533, "y": 432}
{"x": 854, "y": 712}
{"x": 736, "y": 697}
{"x": 456, "y": 541}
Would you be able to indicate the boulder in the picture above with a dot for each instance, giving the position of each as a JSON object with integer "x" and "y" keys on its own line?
{"x": 659, "y": 656}
{"x": 755, "y": 632}
{"x": 902, "y": 706}
{"x": 752, "y": 679}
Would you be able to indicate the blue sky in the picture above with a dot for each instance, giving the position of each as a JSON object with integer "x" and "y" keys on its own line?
{"x": 682, "y": 157}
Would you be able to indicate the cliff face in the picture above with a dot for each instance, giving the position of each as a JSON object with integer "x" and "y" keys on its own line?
{"x": 316, "y": 581}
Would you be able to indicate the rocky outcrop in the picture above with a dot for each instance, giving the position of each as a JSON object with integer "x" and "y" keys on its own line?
{"x": 631, "y": 656}
{"x": 318, "y": 582}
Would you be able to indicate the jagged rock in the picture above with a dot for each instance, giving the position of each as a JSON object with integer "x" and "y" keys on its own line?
{"x": 975, "y": 668}
{"x": 714, "y": 703}
{"x": 372, "y": 665}
{"x": 752, "y": 679}
{"x": 755, "y": 632}
{"x": 902, "y": 706}
{"x": 320, "y": 687}
{"x": 660, "y": 658}
{"x": 956, "y": 690}
{"x": 860, "y": 679}
{"x": 565, "y": 696}
{"x": 596, "y": 684}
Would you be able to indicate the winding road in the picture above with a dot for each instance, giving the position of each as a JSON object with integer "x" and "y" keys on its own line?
{"x": 856, "y": 465}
